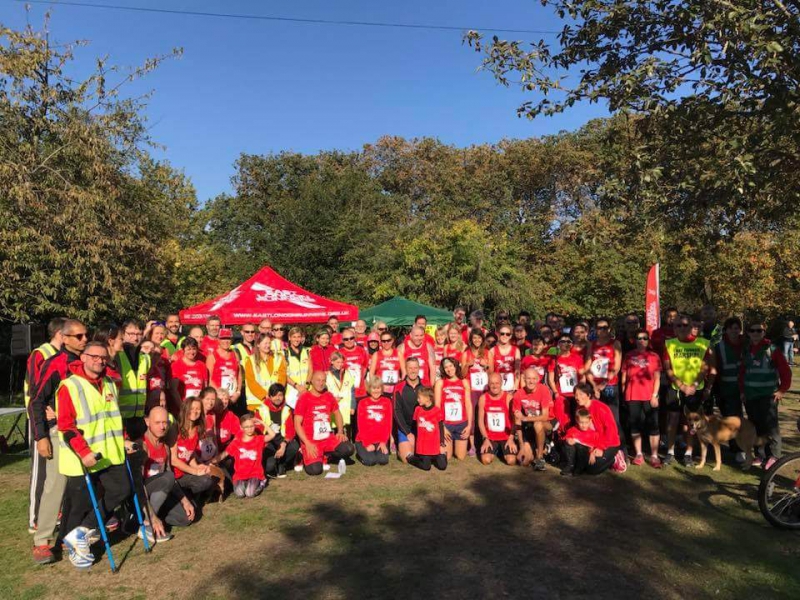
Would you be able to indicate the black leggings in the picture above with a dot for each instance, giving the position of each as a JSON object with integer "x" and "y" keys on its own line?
{"x": 342, "y": 451}
{"x": 424, "y": 462}
{"x": 642, "y": 417}
{"x": 577, "y": 456}
{"x": 116, "y": 489}
{"x": 165, "y": 498}
{"x": 370, "y": 459}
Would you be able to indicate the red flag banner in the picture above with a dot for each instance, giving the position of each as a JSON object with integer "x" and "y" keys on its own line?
{"x": 652, "y": 307}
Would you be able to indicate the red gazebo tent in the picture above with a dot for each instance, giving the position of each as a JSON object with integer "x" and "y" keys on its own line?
{"x": 267, "y": 295}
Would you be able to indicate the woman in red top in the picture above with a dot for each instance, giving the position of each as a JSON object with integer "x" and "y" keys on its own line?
{"x": 223, "y": 367}
{"x": 189, "y": 473}
{"x": 641, "y": 379}
{"x": 592, "y": 461}
{"x": 496, "y": 424}
{"x": 320, "y": 354}
{"x": 189, "y": 375}
{"x": 385, "y": 363}
{"x": 566, "y": 372}
{"x": 603, "y": 362}
{"x": 208, "y": 442}
{"x": 451, "y": 394}
{"x": 374, "y": 418}
{"x": 505, "y": 359}
{"x": 455, "y": 345}
{"x": 157, "y": 378}
{"x": 475, "y": 365}
{"x": 439, "y": 347}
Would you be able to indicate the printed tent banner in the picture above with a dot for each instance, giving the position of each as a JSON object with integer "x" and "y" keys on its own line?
{"x": 399, "y": 311}
{"x": 267, "y": 295}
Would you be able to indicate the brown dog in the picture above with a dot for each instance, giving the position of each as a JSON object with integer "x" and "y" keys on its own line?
{"x": 717, "y": 431}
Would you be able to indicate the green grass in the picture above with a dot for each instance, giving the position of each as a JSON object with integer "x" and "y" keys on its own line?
{"x": 469, "y": 532}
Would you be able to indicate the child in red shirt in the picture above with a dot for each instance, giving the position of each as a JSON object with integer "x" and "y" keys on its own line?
{"x": 584, "y": 432}
{"x": 374, "y": 418}
{"x": 429, "y": 438}
{"x": 247, "y": 450}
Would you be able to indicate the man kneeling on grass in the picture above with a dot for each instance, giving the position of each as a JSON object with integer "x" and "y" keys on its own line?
{"x": 312, "y": 422}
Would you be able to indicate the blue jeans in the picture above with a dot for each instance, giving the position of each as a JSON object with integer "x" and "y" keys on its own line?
{"x": 788, "y": 351}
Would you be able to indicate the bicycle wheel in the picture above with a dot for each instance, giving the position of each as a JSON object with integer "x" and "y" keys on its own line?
{"x": 779, "y": 493}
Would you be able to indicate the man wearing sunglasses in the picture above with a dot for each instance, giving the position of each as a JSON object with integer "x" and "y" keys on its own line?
{"x": 356, "y": 361}
{"x": 764, "y": 378}
{"x": 41, "y": 412}
{"x": 687, "y": 364}
{"x": 244, "y": 348}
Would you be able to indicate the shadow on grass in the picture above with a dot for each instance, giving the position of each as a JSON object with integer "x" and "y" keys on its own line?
{"x": 516, "y": 536}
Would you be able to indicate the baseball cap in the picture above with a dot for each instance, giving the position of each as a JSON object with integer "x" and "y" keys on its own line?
{"x": 225, "y": 333}
{"x": 373, "y": 337}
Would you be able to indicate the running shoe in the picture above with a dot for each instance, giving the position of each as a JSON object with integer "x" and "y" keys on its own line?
{"x": 112, "y": 524}
{"x": 567, "y": 471}
{"x": 151, "y": 538}
{"x": 77, "y": 542}
{"x": 668, "y": 460}
{"x": 540, "y": 465}
{"x": 688, "y": 461}
{"x": 770, "y": 461}
{"x": 757, "y": 461}
{"x": 93, "y": 536}
{"x": 79, "y": 561}
{"x": 298, "y": 468}
{"x": 638, "y": 460}
{"x": 43, "y": 555}
{"x": 326, "y": 467}
{"x": 655, "y": 462}
{"x": 620, "y": 464}
{"x": 281, "y": 471}
{"x": 741, "y": 457}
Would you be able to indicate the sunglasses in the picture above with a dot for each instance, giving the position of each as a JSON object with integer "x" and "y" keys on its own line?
{"x": 248, "y": 331}
{"x": 681, "y": 325}
{"x": 77, "y": 336}
{"x": 602, "y": 327}
{"x": 505, "y": 333}
{"x": 277, "y": 329}
{"x": 348, "y": 339}
{"x": 643, "y": 338}
{"x": 382, "y": 328}
{"x": 386, "y": 341}
{"x": 756, "y": 330}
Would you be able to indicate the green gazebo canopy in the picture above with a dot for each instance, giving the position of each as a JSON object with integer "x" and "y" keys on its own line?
{"x": 401, "y": 311}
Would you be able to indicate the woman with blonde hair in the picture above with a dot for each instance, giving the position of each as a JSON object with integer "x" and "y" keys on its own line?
{"x": 265, "y": 366}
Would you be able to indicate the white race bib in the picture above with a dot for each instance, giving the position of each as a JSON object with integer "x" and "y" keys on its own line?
{"x": 355, "y": 371}
{"x": 600, "y": 368}
{"x": 228, "y": 382}
{"x": 322, "y": 430}
{"x": 454, "y": 412}
{"x": 566, "y": 382}
{"x": 390, "y": 376}
{"x": 508, "y": 382}
{"x": 478, "y": 380}
{"x": 496, "y": 422}
{"x": 208, "y": 449}
{"x": 192, "y": 392}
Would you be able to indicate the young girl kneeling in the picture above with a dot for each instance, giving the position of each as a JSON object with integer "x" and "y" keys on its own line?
{"x": 429, "y": 439}
{"x": 247, "y": 450}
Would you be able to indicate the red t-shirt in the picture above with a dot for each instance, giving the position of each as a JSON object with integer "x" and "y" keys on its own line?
{"x": 316, "y": 412}
{"x": 156, "y": 461}
{"x": 453, "y": 352}
{"x": 496, "y": 417}
{"x": 209, "y": 345}
{"x": 532, "y": 403}
{"x": 428, "y": 440}
{"x": 454, "y": 401}
{"x": 321, "y": 357}
{"x": 247, "y": 457}
{"x": 541, "y": 363}
{"x": 642, "y": 369}
{"x": 226, "y": 371}
{"x": 191, "y": 378}
{"x": 187, "y": 449}
{"x": 357, "y": 362}
{"x": 374, "y": 420}
{"x": 228, "y": 427}
{"x": 336, "y": 339}
{"x": 566, "y": 371}
{"x": 603, "y": 362}
{"x": 585, "y": 438}
{"x": 420, "y": 354}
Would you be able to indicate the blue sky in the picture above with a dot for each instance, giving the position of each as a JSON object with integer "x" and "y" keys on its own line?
{"x": 262, "y": 86}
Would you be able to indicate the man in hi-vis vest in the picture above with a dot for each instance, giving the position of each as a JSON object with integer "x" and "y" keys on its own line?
{"x": 91, "y": 437}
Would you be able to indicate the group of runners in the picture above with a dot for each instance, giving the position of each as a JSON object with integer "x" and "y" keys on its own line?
{"x": 196, "y": 416}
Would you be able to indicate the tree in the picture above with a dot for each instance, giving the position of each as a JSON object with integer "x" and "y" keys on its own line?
{"x": 88, "y": 215}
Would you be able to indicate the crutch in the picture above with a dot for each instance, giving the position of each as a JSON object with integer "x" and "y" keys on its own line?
{"x": 138, "y": 508}
{"x": 101, "y": 524}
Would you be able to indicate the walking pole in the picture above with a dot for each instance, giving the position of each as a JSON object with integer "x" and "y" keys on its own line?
{"x": 137, "y": 506}
{"x": 101, "y": 524}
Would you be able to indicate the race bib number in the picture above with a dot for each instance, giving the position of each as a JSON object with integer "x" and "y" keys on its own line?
{"x": 208, "y": 449}
{"x": 192, "y": 392}
{"x": 478, "y": 380}
{"x": 322, "y": 430}
{"x": 600, "y": 368}
{"x": 228, "y": 382}
{"x": 508, "y": 382}
{"x": 355, "y": 371}
{"x": 390, "y": 376}
{"x": 496, "y": 422}
{"x": 454, "y": 412}
{"x": 566, "y": 382}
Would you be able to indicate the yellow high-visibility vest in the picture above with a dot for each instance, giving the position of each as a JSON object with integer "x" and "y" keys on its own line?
{"x": 133, "y": 396}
